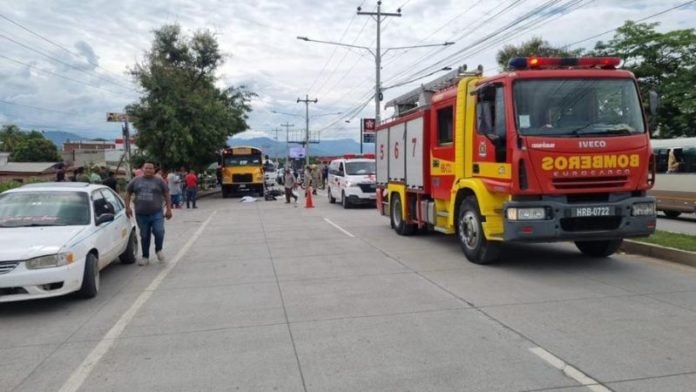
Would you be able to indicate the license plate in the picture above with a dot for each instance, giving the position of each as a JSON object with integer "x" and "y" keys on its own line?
{"x": 592, "y": 211}
{"x": 242, "y": 186}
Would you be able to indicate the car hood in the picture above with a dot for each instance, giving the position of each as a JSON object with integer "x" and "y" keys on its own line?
{"x": 21, "y": 243}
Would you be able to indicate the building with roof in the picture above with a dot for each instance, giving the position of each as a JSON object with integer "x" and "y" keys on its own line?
{"x": 21, "y": 171}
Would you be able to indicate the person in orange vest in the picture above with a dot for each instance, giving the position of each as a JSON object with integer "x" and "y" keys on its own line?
{"x": 191, "y": 188}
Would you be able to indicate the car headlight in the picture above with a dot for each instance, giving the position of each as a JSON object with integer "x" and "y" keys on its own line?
{"x": 643, "y": 209}
{"x": 50, "y": 261}
{"x": 536, "y": 213}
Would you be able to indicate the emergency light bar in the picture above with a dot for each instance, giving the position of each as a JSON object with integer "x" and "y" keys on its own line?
{"x": 520, "y": 63}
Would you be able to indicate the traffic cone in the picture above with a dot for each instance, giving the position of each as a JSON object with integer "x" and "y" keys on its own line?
{"x": 309, "y": 203}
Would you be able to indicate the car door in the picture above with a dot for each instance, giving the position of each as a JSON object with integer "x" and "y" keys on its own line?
{"x": 104, "y": 233}
{"x": 122, "y": 223}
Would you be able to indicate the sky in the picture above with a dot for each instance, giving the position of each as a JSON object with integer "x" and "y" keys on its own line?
{"x": 64, "y": 63}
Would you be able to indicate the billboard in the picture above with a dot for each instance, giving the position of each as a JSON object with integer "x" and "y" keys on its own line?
{"x": 297, "y": 152}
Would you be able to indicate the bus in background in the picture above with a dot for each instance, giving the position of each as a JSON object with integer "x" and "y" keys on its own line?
{"x": 675, "y": 184}
{"x": 242, "y": 171}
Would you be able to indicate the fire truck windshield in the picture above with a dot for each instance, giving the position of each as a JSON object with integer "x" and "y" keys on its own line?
{"x": 577, "y": 107}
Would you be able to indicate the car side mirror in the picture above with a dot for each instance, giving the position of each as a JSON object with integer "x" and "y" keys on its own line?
{"x": 103, "y": 218}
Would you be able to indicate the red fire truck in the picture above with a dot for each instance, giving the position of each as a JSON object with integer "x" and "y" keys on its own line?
{"x": 557, "y": 149}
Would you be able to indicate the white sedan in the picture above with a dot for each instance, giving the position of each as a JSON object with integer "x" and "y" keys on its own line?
{"x": 55, "y": 238}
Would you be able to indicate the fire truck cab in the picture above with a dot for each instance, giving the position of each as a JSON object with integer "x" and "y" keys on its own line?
{"x": 554, "y": 150}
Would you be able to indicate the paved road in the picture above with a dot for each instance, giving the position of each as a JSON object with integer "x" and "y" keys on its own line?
{"x": 685, "y": 223}
{"x": 267, "y": 297}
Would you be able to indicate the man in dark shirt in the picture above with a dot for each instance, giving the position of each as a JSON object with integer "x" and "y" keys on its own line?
{"x": 110, "y": 181}
{"x": 151, "y": 193}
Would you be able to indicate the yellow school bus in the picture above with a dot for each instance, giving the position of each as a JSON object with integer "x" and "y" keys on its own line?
{"x": 242, "y": 171}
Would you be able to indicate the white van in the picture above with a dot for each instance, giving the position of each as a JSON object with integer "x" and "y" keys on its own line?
{"x": 352, "y": 181}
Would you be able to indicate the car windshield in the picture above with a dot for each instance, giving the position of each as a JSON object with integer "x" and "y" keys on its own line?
{"x": 577, "y": 107}
{"x": 44, "y": 208}
{"x": 242, "y": 160}
{"x": 355, "y": 168}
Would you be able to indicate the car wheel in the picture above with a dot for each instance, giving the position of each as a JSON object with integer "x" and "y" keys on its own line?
{"x": 332, "y": 199}
{"x": 344, "y": 200}
{"x": 672, "y": 214}
{"x": 602, "y": 248}
{"x": 131, "y": 253}
{"x": 90, "y": 280}
{"x": 476, "y": 247}
{"x": 397, "y": 220}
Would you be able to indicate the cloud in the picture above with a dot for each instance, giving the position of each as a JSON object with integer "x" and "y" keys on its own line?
{"x": 90, "y": 57}
{"x": 262, "y": 52}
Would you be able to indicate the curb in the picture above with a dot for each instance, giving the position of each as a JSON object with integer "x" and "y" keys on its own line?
{"x": 659, "y": 252}
{"x": 209, "y": 193}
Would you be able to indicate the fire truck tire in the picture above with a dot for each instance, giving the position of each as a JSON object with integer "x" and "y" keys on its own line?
{"x": 332, "y": 200}
{"x": 602, "y": 248}
{"x": 672, "y": 214}
{"x": 397, "y": 221}
{"x": 470, "y": 233}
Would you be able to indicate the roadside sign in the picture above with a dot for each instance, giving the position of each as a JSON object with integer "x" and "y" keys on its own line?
{"x": 368, "y": 130}
{"x": 116, "y": 117}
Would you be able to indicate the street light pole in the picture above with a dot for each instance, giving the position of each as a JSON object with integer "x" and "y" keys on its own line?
{"x": 378, "y": 16}
{"x": 378, "y": 52}
{"x": 306, "y": 141}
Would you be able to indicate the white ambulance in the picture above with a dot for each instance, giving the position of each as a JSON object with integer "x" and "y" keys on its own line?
{"x": 352, "y": 181}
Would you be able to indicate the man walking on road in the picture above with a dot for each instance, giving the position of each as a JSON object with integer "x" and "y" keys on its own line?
{"x": 290, "y": 184}
{"x": 191, "y": 188}
{"x": 151, "y": 193}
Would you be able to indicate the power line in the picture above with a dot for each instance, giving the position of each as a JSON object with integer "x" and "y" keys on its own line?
{"x": 37, "y": 108}
{"x": 639, "y": 20}
{"x": 63, "y": 62}
{"x": 350, "y": 23}
{"x": 52, "y": 42}
{"x": 56, "y": 74}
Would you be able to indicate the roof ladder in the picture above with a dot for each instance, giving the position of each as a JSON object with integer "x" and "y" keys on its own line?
{"x": 422, "y": 96}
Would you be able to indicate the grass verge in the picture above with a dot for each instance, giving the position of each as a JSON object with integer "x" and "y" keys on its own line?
{"x": 671, "y": 240}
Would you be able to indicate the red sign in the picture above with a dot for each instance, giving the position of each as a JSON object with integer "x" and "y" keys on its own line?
{"x": 368, "y": 125}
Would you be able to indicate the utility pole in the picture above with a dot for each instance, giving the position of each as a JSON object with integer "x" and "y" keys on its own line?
{"x": 378, "y": 16}
{"x": 306, "y": 101}
{"x": 287, "y": 141}
{"x": 276, "y": 139}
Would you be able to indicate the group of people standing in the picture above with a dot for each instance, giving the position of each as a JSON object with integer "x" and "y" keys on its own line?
{"x": 183, "y": 183}
{"x": 314, "y": 177}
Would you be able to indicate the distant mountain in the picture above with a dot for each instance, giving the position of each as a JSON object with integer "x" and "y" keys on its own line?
{"x": 60, "y": 137}
{"x": 333, "y": 147}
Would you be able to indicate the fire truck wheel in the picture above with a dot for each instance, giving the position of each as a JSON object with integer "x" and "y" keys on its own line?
{"x": 603, "y": 248}
{"x": 332, "y": 199}
{"x": 470, "y": 232}
{"x": 397, "y": 221}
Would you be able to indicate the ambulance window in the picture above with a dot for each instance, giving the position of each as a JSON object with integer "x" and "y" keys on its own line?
{"x": 445, "y": 122}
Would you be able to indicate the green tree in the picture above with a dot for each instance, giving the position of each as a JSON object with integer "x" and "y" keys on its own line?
{"x": 10, "y": 137}
{"x": 536, "y": 46}
{"x": 35, "y": 149}
{"x": 183, "y": 118}
{"x": 664, "y": 62}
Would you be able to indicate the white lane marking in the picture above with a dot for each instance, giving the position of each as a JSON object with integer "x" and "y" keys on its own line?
{"x": 339, "y": 228}
{"x": 569, "y": 371}
{"x": 78, "y": 377}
